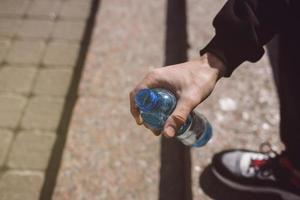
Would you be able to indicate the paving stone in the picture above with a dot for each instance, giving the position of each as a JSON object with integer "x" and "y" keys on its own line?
{"x": 43, "y": 9}
{"x": 26, "y": 52}
{"x": 4, "y": 45}
{"x": 16, "y": 79}
{"x": 53, "y": 82}
{"x": 61, "y": 53}
{"x": 35, "y": 28}
{"x": 75, "y": 10}
{"x": 13, "y": 8}
{"x": 11, "y": 107}
{"x": 16, "y": 185}
{"x": 8, "y": 27}
{"x": 6, "y": 138}
{"x": 31, "y": 150}
{"x": 43, "y": 113}
{"x": 69, "y": 30}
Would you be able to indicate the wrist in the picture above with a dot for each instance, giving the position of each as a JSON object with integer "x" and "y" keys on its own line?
{"x": 215, "y": 63}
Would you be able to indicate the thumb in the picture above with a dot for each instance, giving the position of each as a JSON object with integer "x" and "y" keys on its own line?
{"x": 177, "y": 118}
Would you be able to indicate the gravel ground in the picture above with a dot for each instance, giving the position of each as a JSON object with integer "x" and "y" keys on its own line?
{"x": 243, "y": 109}
{"x": 107, "y": 150}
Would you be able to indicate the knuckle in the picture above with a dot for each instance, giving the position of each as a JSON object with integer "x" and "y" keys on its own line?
{"x": 135, "y": 91}
{"x": 131, "y": 94}
{"x": 153, "y": 73}
{"x": 156, "y": 133}
{"x": 179, "y": 119}
{"x": 190, "y": 99}
{"x": 132, "y": 110}
{"x": 133, "y": 113}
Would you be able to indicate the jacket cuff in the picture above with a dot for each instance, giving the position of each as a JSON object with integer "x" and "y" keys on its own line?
{"x": 228, "y": 51}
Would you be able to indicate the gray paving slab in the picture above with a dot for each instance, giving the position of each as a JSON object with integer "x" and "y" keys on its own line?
{"x": 61, "y": 54}
{"x": 13, "y": 8}
{"x": 31, "y": 150}
{"x": 68, "y": 30}
{"x": 33, "y": 28}
{"x": 39, "y": 46}
{"x": 53, "y": 82}
{"x": 43, "y": 9}
{"x": 26, "y": 52}
{"x": 4, "y": 47}
{"x": 42, "y": 113}
{"x": 20, "y": 185}
{"x": 17, "y": 79}
{"x": 5, "y": 142}
{"x": 75, "y": 10}
{"x": 11, "y": 108}
{"x": 8, "y": 27}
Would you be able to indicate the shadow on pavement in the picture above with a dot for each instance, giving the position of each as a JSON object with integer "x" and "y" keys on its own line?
{"x": 70, "y": 101}
{"x": 175, "y": 171}
{"x": 219, "y": 191}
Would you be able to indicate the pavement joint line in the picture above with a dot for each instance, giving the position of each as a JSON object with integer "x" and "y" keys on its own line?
{"x": 16, "y": 131}
{"x": 40, "y": 65}
{"x": 26, "y": 171}
{"x": 48, "y": 39}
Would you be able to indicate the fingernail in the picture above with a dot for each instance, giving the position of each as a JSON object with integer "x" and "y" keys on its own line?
{"x": 156, "y": 133}
{"x": 169, "y": 131}
{"x": 139, "y": 120}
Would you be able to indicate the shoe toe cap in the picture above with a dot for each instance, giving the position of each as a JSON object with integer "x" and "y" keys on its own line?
{"x": 228, "y": 163}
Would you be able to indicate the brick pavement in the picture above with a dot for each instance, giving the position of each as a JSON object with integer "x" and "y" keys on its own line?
{"x": 39, "y": 46}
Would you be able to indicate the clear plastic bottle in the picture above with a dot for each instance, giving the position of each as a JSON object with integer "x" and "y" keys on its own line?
{"x": 157, "y": 104}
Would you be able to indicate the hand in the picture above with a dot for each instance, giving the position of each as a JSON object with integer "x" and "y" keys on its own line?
{"x": 191, "y": 82}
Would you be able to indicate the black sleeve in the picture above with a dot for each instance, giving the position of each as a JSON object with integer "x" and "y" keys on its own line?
{"x": 243, "y": 27}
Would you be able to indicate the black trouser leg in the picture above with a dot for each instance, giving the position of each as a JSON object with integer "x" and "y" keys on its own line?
{"x": 284, "y": 53}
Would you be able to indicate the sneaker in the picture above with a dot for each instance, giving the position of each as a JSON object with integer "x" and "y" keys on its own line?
{"x": 258, "y": 172}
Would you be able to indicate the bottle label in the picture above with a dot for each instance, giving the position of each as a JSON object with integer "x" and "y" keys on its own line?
{"x": 194, "y": 131}
{"x": 188, "y": 138}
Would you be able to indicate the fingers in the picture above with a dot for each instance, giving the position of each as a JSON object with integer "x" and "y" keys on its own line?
{"x": 179, "y": 116}
{"x": 148, "y": 82}
{"x": 133, "y": 108}
{"x": 155, "y": 132}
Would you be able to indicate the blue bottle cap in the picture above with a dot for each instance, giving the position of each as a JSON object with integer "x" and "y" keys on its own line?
{"x": 146, "y": 100}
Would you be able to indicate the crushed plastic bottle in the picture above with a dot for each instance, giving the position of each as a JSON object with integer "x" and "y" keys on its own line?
{"x": 157, "y": 104}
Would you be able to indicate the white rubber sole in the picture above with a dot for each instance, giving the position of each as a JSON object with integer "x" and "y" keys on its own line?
{"x": 285, "y": 195}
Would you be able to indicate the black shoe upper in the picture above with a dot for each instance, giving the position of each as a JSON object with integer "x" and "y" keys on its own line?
{"x": 252, "y": 168}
